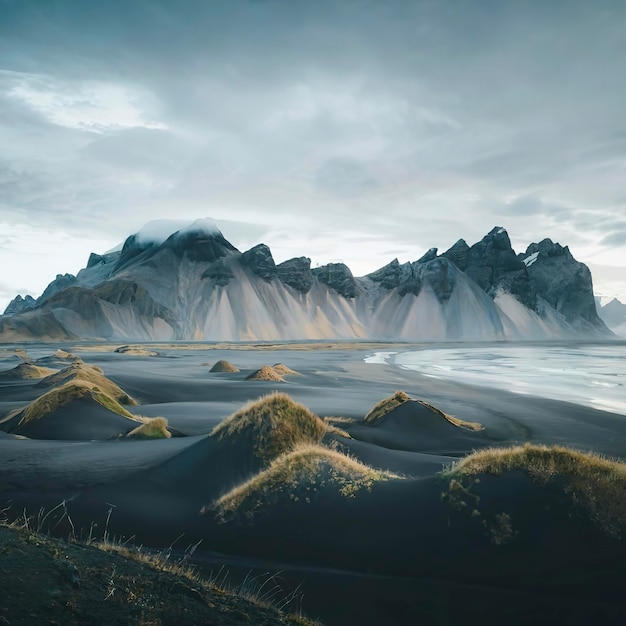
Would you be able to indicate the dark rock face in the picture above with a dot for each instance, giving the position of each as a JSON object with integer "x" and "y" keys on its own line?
{"x": 131, "y": 249}
{"x": 493, "y": 265}
{"x": 429, "y": 256}
{"x": 101, "y": 259}
{"x": 440, "y": 275}
{"x": 218, "y": 272}
{"x": 296, "y": 273}
{"x": 561, "y": 280}
{"x": 458, "y": 254}
{"x": 339, "y": 277}
{"x": 19, "y": 305}
{"x": 259, "y": 259}
{"x": 62, "y": 281}
{"x": 199, "y": 245}
{"x": 388, "y": 276}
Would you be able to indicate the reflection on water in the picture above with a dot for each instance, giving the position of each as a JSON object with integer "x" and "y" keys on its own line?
{"x": 593, "y": 375}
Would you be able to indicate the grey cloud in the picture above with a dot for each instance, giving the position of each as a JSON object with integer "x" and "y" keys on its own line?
{"x": 416, "y": 113}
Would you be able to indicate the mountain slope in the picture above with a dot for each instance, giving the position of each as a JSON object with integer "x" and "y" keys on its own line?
{"x": 194, "y": 284}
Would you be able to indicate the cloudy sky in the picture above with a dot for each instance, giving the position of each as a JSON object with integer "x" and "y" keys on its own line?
{"x": 350, "y": 130}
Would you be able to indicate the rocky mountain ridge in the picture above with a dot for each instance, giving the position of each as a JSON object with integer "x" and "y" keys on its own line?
{"x": 194, "y": 284}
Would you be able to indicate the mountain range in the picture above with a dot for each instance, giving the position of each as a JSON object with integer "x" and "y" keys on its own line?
{"x": 192, "y": 284}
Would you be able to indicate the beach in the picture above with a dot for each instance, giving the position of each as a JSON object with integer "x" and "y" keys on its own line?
{"x": 355, "y": 513}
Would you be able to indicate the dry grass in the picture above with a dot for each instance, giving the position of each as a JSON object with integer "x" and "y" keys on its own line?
{"x": 275, "y": 423}
{"x": 455, "y": 421}
{"x": 155, "y": 428}
{"x": 385, "y": 406}
{"x": 300, "y": 473}
{"x": 596, "y": 483}
{"x": 91, "y": 376}
{"x": 224, "y": 366}
{"x": 135, "y": 351}
{"x": 27, "y": 371}
{"x": 60, "y": 396}
{"x": 266, "y": 373}
{"x": 260, "y": 591}
{"x": 282, "y": 370}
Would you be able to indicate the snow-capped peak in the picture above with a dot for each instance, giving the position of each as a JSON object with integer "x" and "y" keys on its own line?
{"x": 157, "y": 231}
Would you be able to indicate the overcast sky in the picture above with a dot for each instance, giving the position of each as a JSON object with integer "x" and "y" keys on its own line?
{"x": 349, "y": 130}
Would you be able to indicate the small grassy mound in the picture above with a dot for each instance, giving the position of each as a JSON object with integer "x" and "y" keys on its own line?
{"x": 224, "y": 366}
{"x": 155, "y": 428}
{"x": 266, "y": 373}
{"x": 68, "y": 356}
{"x": 385, "y": 406}
{"x": 299, "y": 473}
{"x": 27, "y": 371}
{"x": 274, "y": 424}
{"x": 91, "y": 376}
{"x": 455, "y": 421}
{"x": 282, "y": 370}
{"x": 596, "y": 483}
{"x": 60, "y": 396}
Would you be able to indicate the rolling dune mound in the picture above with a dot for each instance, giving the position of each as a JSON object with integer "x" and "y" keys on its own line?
{"x": 90, "y": 376}
{"x": 224, "y": 366}
{"x": 298, "y": 475}
{"x": 61, "y": 358}
{"x": 272, "y": 425}
{"x": 594, "y": 486}
{"x": 403, "y": 423}
{"x": 26, "y": 371}
{"x": 266, "y": 373}
{"x": 282, "y": 370}
{"x": 155, "y": 428}
{"x": 73, "y": 411}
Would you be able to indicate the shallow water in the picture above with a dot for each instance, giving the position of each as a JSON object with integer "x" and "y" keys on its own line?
{"x": 589, "y": 374}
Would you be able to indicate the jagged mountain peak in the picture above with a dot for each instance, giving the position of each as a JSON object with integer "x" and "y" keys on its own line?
{"x": 186, "y": 281}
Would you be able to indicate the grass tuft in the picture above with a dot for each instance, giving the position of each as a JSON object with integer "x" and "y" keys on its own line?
{"x": 275, "y": 423}
{"x": 385, "y": 406}
{"x": 266, "y": 373}
{"x": 455, "y": 421}
{"x": 155, "y": 428}
{"x": 224, "y": 366}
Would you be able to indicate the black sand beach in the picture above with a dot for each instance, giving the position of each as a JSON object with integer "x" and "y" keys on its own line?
{"x": 354, "y": 513}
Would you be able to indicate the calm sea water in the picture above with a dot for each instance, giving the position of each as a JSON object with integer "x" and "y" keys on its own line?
{"x": 593, "y": 375}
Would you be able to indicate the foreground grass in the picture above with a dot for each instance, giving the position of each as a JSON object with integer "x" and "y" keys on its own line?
{"x": 595, "y": 483}
{"x": 107, "y": 582}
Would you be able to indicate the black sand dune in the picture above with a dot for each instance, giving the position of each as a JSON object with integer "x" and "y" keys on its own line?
{"x": 81, "y": 418}
{"x": 26, "y": 371}
{"x": 266, "y": 373}
{"x": 224, "y": 367}
{"x": 416, "y": 426}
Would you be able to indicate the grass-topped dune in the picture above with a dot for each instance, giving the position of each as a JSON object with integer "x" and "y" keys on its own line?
{"x": 76, "y": 410}
{"x": 266, "y": 373}
{"x": 282, "y": 370}
{"x": 386, "y": 406}
{"x": 60, "y": 358}
{"x": 26, "y": 371}
{"x": 224, "y": 367}
{"x": 272, "y": 425}
{"x": 154, "y": 428}
{"x": 296, "y": 476}
{"x": 88, "y": 376}
{"x": 593, "y": 483}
